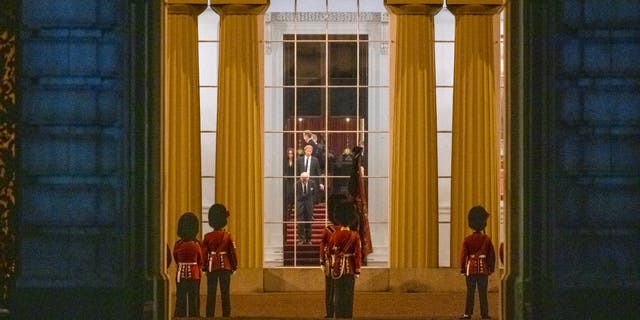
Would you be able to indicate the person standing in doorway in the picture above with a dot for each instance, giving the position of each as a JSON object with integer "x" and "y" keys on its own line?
{"x": 325, "y": 253}
{"x": 289, "y": 181}
{"x": 477, "y": 262}
{"x": 187, "y": 254}
{"x": 346, "y": 259}
{"x": 221, "y": 260}
{"x": 305, "y": 189}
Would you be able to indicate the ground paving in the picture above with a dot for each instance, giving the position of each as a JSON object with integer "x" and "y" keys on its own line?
{"x": 367, "y": 305}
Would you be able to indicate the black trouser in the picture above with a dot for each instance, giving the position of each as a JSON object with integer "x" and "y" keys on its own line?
{"x": 328, "y": 296}
{"x": 482, "y": 282}
{"x": 304, "y": 228}
{"x": 224, "y": 276}
{"x": 188, "y": 294}
{"x": 343, "y": 296}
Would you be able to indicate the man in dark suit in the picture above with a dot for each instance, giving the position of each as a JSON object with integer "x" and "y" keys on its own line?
{"x": 309, "y": 164}
{"x": 305, "y": 189}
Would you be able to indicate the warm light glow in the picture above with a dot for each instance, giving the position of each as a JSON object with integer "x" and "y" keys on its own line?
{"x": 348, "y": 119}
{"x": 299, "y": 119}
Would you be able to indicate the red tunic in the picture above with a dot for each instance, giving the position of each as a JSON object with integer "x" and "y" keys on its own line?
{"x": 220, "y": 251}
{"x": 346, "y": 252}
{"x": 325, "y": 250}
{"x": 188, "y": 257}
{"x": 472, "y": 244}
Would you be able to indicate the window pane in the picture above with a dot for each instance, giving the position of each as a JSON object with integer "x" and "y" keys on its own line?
{"x": 208, "y": 25}
{"x": 343, "y": 102}
{"x": 343, "y": 63}
{"x": 309, "y": 62}
{"x": 444, "y": 64}
{"x": 444, "y": 242}
{"x": 311, "y": 102}
{"x": 444, "y": 25}
{"x": 208, "y": 192}
{"x": 444, "y": 102}
{"x": 208, "y": 108}
{"x": 444, "y": 199}
{"x": 208, "y": 153}
{"x": 444, "y": 154}
{"x": 208, "y": 59}
{"x": 339, "y": 142}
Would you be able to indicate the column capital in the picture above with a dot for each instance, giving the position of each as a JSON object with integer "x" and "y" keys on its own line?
{"x": 414, "y": 7}
{"x": 475, "y": 7}
{"x": 186, "y": 7}
{"x": 240, "y": 7}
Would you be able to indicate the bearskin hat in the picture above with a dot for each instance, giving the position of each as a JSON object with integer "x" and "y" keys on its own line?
{"x": 345, "y": 214}
{"x": 188, "y": 226}
{"x": 218, "y": 216}
{"x": 478, "y": 216}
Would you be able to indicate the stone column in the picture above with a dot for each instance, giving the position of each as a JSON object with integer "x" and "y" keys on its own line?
{"x": 475, "y": 158}
{"x": 240, "y": 142}
{"x": 414, "y": 169}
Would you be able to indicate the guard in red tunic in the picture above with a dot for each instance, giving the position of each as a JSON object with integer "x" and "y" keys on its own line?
{"x": 477, "y": 262}
{"x": 221, "y": 260}
{"x": 325, "y": 252}
{"x": 187, "y": 254}
{"x": 346, "y": 259}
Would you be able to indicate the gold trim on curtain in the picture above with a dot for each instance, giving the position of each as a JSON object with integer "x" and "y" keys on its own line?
{"x": 239, "y": 141}
{"x": 414, "y": 163}
{"x": 475, "y": 159}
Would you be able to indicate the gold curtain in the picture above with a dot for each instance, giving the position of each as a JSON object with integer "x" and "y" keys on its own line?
{"x": 474, "y": 162}
{"x": 414, "y": 163}
{"x": 181, "y": 187}
{"x": 239, "y": 142}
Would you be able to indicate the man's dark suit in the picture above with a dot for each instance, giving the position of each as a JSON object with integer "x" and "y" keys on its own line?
{"x": 304, "y": 209}
{"x": 314, "y": 170}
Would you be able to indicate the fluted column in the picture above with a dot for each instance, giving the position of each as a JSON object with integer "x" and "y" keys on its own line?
{"x": 181, "y": 186}
{"x": 475, "y": 159}
{"x": 239, "y": 142}
{"x": 181, "y": 172}
{"x": 414, "y": 169}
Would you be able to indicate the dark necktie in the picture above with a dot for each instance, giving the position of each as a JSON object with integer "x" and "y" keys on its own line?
{"x": 306, "y": 164}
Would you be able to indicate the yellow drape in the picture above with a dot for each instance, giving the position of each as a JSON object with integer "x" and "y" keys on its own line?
{"x": 474, "y": 162}
{"x": 181, "y": 186}
{"x": 239, "y": 142}
{"x": 414, "y": 168}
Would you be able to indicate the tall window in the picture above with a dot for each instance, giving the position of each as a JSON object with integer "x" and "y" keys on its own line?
{"x": 326, "y": 73}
